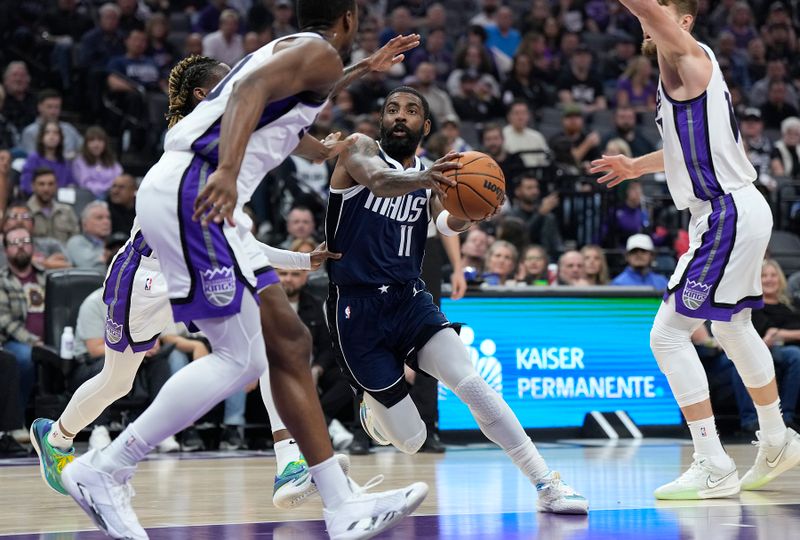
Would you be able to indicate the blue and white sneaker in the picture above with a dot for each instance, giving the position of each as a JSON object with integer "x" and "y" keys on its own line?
{"x": 294, "y": 485}
{"x": 52, "y": 460}
{"x": 370, "y": 425}
{"x": 557, "y": 497}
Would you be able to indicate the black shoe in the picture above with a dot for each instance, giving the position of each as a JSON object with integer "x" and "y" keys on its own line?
{"x": 9, "y": 448}
{"x": 231, "y": 439}
{"x": 360, "y": 444}
{"x": 191, "y": 441}
{"x": 433, "y": 444}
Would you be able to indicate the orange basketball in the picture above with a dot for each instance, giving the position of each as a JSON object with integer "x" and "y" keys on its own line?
{"x": 480, "y": 189}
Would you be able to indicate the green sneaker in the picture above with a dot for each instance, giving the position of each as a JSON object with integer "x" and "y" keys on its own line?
{"x": 294, "y": 485}
{"x": 51, "y": 460}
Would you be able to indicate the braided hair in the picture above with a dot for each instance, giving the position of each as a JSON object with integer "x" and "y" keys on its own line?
{"x": 187, "y": 75}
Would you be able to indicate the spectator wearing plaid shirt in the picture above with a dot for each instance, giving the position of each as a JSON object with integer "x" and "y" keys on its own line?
{"x": 21, "y": 306}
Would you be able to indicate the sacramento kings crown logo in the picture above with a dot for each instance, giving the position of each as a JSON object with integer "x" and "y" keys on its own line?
{"x": 219, "y": 285}
{"x": 694, "y": 294}
{"x": 113, "y": 331}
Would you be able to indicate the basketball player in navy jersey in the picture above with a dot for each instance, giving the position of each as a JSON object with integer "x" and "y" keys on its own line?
{"x": 381, "y": 315}
{"x": 719, "y": 278}
{"x": 251, "y": 121}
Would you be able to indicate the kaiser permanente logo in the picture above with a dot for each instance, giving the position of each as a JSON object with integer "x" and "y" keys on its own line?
{"x": 550, "y": 369}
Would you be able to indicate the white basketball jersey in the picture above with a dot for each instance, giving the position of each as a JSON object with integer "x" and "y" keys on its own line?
{"x": 280, "y": 127}
{"x": 704, "y": 157}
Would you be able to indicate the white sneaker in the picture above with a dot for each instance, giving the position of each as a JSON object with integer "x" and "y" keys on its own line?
{"x": 365, "y": 515}
{"x": 106, "y": 498}
{"x": 341, "y": 438}
{"x": 99, "y": 438}
{"x": 294, "y": 485}
{"x": 370, "y": 426}
{"x": 772, "y": 461}
{"x": 169, "y": 445}
{"x": 703, "y": 480}
{"x": 557, "y": 497}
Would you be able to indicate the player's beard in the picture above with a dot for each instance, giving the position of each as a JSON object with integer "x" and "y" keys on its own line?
{"x": 649, "y": 49}
{"x": 400, "y": 148}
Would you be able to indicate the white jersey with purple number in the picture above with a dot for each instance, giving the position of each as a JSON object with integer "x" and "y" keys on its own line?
{"x": 704, "y": 157}
{"x": 280, "y": 127}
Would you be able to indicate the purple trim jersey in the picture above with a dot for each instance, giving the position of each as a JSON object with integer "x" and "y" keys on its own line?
{"x": 704, "y": 157}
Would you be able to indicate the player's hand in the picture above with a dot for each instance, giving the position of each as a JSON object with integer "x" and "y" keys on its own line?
{"x": 617, "y": 168}
{"x": 334, "y": 145}
{"x": 321, "y": 254}
{"x": 437, "y": 181}
{"x": 392, "y": 53}
{"x": 458, "y": 285}
{"x": 217, "y": 200}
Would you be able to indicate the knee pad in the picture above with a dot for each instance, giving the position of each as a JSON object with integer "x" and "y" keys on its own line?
{"x": 678, "y": 361}
{"x": 400, "y": 424}
{"x": 747, "y": 351}
{"x": 413, "y": 444}
{"x": 484, "y": 402}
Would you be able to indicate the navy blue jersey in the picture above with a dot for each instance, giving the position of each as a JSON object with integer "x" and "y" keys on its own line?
{"x": 381, "y": 239}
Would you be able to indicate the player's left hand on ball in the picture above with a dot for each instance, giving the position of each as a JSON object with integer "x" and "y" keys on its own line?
{"x": 321, "y": 254}
{"x": 335, "y": 145}
{"x": 392, "y": 53}
{"x": 217, "y": 201}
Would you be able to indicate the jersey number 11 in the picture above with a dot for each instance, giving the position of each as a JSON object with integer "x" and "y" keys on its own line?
{"x": 405, "y": 240}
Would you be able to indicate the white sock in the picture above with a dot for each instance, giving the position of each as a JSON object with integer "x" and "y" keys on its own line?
{"x": 528, "y": 459}
{"x": 125, "y": 451}
{"x": 286, "y": 451}
{"x": 770, "y": 422}
{"x": 705, "y": 438}
{"x": 332, "y": 483}
{"x": 57, "y": 438}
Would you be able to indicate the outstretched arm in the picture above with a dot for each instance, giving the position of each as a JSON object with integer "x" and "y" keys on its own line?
{"x": 381, "y": 60}
{"x": 676, "y": 46}
{"x": 361, "y": 164}
{"x": 658, "y": 23}
{"x": 620, "y": 168}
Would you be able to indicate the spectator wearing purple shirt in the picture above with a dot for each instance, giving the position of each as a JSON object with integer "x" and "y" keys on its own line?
{"x": 740, "y": 24}
{"x": 96, "y": 166}
{"x": 434, "y": 51}
{"x": 208, "y": 19}
{"x": 636, "y": 88}
{"x": 49, "y": 154}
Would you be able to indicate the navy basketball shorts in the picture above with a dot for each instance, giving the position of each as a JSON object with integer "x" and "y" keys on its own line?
{"x": 376, "y": 330}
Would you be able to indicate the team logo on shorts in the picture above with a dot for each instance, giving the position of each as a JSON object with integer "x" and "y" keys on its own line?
{"x": 113, "y": 331}
{"x": 148, "y": 284}
{"x": 347, "y": 312}
{"x": 694, "y": 294}
{"x": 219, "y": 285}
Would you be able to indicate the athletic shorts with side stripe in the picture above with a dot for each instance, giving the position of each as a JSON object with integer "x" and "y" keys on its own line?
{"x": 377, "y": 329}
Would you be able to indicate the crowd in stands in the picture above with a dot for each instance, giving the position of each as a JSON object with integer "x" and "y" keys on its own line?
{"x": 542, "y": 86}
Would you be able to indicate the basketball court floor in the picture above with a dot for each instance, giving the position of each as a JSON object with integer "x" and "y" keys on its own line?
{"x": 476, "y": 493}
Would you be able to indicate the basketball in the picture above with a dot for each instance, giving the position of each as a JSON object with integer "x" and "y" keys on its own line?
{"x": 480, "y": 189}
